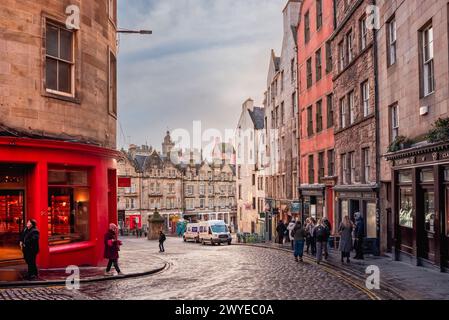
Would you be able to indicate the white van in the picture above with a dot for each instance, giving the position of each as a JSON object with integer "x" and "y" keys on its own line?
{"x": 214, "y": 232}
{"x": 192, "y": 232}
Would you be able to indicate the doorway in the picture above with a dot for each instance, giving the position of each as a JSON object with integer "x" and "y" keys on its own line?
{"x": 12, "y": 217}
{"x": 428, "y": 228}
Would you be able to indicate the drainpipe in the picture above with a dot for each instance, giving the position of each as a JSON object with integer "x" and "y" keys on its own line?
{"x": 376, "y": 103}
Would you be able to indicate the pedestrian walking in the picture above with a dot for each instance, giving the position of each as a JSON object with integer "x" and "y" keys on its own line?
{"x": 290, "y": 228}
{"x": 162, "y": 239}
{"x": 328, "y": 226}
{"x": 29, "y": 243}
{"x": 280, "y": 229}
{"x": 345, "y": 230}
{"x": 359, "y": 235}
{"x": 311, "y": 243}
{"x": 111, "y": 249}
{"x": 319, "y": 233}
{"x": 299, "y": 237}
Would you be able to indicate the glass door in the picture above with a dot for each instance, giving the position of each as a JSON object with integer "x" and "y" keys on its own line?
{"x": 428, "y": 240}
{"x": 11, "y": 223}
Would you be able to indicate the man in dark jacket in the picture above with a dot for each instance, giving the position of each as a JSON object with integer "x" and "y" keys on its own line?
{"x": 281, "y": 231}
{"x": 327, "y": 225}
{"x": 29, "y": 242}
{"x": 162, "y": 239}
{"x": 359, "y": 235}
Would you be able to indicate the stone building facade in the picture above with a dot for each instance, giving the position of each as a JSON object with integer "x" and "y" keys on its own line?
{"x": 315, "y": 64}
{"x": 355, "y": 117}
{"x": 250, "y": 153}
{"x": 58, "y": 119}
{"x": 281, "y": 120}
{"x": 413, "y": 95}
{"x": 149, "y": 180}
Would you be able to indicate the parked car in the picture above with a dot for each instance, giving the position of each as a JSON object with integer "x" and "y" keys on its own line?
{"x": 192, "y": 232}
{"x": 214, "y": 232}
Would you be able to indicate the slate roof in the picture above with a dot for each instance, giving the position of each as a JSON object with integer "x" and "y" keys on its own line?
{"x": 258, "y": 117}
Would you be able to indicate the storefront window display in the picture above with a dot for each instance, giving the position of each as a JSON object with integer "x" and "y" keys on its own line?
{"x": 446, "y": 179}
{"x": 406, "y": 208}
{"x": 68, "y": 202}
{"x": 429, "y": 211}
{"x": 371, "y": 220}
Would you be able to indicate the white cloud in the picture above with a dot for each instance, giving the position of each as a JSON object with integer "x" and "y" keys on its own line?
{"x": 204, "y": 59}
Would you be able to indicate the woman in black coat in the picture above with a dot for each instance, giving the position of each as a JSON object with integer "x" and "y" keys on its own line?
{"x": 29, "y": 242}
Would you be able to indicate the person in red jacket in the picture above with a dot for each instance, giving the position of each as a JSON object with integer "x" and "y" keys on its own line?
{"x": 111, "y": 249}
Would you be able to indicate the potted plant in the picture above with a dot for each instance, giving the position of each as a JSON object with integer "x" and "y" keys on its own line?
{"x": 439, "y": 131}
{"x": 400, "y": 143}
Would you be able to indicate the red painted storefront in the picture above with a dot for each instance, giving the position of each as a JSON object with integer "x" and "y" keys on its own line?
{"x": 35, "y": 158}
{"x": 316, "y": 191}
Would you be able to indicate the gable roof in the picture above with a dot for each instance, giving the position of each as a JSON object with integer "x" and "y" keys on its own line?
{"x": 258, "y": 117}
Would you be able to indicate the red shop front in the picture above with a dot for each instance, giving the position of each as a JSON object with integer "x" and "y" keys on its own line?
{"x": 68, "y": 188}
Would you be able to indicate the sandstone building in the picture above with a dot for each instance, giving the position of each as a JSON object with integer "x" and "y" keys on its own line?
{"x": 58, "y": 119}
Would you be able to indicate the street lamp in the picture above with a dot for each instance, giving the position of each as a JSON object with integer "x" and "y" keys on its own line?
{"x": 134, "y": 31}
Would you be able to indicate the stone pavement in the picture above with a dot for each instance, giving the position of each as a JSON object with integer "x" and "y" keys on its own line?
{"x": 410, "y": 282}
{"x": 136, "y": 261}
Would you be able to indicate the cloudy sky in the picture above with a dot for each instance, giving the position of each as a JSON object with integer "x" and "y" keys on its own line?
{"x": 204, "y": 59}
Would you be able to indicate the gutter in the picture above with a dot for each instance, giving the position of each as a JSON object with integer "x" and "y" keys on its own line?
{"x": 376, "y": 104}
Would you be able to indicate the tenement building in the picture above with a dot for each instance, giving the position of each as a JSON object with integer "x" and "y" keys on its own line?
{"x": 151, "y": 181}
{"x": 414, "y": 140}
{"x": 58, "y": 111}
{"x": 316, "y": 151}
{"x": 148, "y": 181}
{"x": 250, "y": 153}
{"x": 353, "y": 46}
{"x": 281, "y": 119}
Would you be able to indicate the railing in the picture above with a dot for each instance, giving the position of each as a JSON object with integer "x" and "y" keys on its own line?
{"x": 247, "y": 237}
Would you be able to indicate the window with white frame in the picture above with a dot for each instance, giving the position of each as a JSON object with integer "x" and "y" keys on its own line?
{"x": 428, "y": 73}
{"x": 59, "y": 60}
{"x": 365, "y": 97}
{"x": 391, "y": 41}
{"x": 343, "y": 113}
{"x": 341, "y": 55}
{"x": 344, "y": 168}
{"x": 394, "y": 122}
{"x": 366, "y": 164}
{"x": 352, "y": 167}
{"x": 349, "y": 47}
{"x": 351, "y": 107}
{"x": 363, "y": 33}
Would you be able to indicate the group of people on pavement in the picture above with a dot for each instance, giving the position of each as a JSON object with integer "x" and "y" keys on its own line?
{"x": 313, "y": 237}
{"x": 29, "y": 243}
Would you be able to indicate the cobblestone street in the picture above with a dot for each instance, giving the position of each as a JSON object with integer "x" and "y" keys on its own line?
{"x": 212, "y": 272}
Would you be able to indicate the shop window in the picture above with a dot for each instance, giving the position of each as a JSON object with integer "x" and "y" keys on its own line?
{"x": 447, "y": 210}
{"x": 371, "y": 220}
{"x": 429, "y": 211}
{"x": 406, "y": 208}
{"x": 426, "y": 176}
{"x": 344, "y": 209}
{"x": 405, "y": 177}
{"x": 68, "y": 202}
